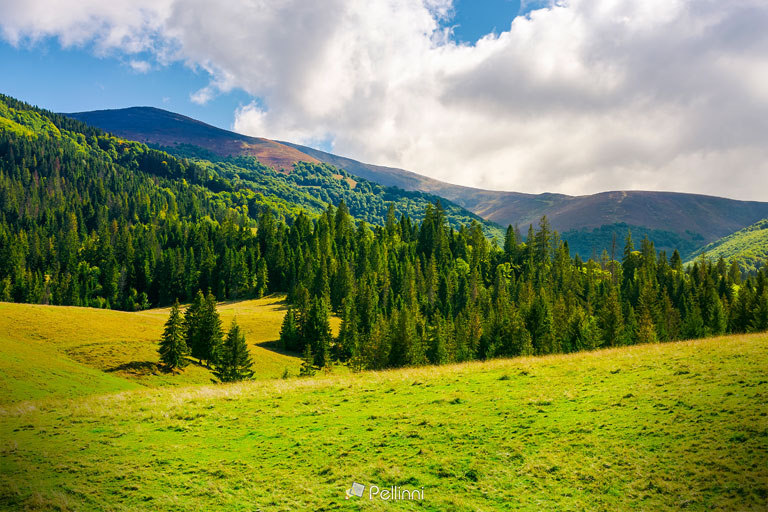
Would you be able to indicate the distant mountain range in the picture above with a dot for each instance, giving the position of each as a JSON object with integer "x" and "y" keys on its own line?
{"x": 674, "y": 220}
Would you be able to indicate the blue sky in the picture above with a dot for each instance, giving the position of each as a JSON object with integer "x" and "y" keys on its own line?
{"x": 84, "y": 81}
{"x": 578, "y": 97}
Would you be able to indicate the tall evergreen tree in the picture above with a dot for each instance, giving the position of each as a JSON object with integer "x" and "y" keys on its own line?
{"x": 210, "y": 332}
{"x": 192, "y": 323}
{"x": 173, "y": 349}
{"x": 234, "y": 360}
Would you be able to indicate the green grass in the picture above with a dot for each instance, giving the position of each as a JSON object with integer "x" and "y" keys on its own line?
{"x": 748, "y": 247}
{"x": 57, "y": 351}
{"x": 655, "y": 427}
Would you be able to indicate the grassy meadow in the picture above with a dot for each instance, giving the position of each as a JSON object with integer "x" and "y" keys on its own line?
{"x": 59, "y": 351}
{"x": 654, "y": 427}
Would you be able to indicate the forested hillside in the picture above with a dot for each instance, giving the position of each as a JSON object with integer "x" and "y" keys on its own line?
{"x": 747, "y": 247}
{"x": 312, "y": 186}
{"x": 88, "y": 219}
{"x": 681, "y": 221}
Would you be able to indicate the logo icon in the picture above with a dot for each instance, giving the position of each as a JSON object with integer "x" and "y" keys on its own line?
{"x": 356, "y": 490}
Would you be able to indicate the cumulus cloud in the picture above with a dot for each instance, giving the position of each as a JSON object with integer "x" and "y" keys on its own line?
{"x": 576, "y": 96}
{"x": 140, "y": 66}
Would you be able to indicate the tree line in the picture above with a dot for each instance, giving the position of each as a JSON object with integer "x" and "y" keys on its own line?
{"x": 87, "y": 219}
{"x": 411, "y": 294}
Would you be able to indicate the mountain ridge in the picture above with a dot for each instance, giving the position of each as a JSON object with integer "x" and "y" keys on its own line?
{"x": 695, "y": 216}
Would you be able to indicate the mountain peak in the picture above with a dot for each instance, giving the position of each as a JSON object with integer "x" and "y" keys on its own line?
{"x": 153, "y": 125}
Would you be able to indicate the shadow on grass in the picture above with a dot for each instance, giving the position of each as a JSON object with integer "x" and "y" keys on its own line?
{"x": 275, "y": 346}
{"x": 140, "y": 367}
{"x": 280, "y": 305}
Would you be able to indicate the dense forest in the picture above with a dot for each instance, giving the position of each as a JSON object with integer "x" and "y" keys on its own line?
{"x": 310, "y": 187}
{"x": 88, "y": 219}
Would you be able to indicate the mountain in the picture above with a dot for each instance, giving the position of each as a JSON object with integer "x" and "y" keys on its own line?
{"x": 748, "y": 247}
{"x": 155, "y": 126}
{"x": 679, "y": 220}
{"x": 253, "y": 162}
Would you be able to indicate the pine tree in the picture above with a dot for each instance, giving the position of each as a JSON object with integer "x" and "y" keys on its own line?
{"x": 611, "y": 320}
{"x": 582, "y": 331}
{"x": 307, "y": 362}
{"x": 192, "y": 327}
{"x": 262, "y": 278}
{"x": 693, "y": 323}
{"x": 317, "y": 331}
{"x": 210, "y": 331}
{"x": 234, "y": 361}
{"x": 646, "y": 331}
{"x": 173, "y": 348}
{"x": 289, "y": 333}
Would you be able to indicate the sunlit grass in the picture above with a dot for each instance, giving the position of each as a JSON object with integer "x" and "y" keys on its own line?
{"x": 67, "y": 351}
{"x": 654, "y": 427}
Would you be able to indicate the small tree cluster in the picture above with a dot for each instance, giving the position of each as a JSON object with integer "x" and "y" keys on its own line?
{"x": 200, "y": 335}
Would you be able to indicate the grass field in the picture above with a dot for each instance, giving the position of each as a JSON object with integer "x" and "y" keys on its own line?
{"x": 50, "y": 351}
{"x": 655, "y": 427}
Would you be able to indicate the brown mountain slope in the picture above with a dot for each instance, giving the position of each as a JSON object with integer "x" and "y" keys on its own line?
{"x": 156, "y": 126}
{"x": 712, "y": 217}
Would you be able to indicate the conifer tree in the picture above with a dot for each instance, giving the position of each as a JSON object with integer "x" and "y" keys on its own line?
{"x": 210, "y": 331}
{"x": 289, "y": 333}
{"x": 307, "y": 362}
{"x": 693, "y": 323}
{"x": 646, "y": 331}
{"x": 234, "y": 360}
{"x": 317, "y": 331}
{"x": 192, "y": 317}
{"x": 583, "y": 332}
{"x": 612, "y": 320}
{"x": 173, "y": 348}
{"x": 262, "y": 278}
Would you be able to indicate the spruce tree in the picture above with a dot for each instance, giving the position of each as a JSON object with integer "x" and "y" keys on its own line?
{"x": 307, "y": 362}
{"x": 262, "y": 278}
{"x": 234, "y": 361}
{"x": 289, "y": 334}
{"x": 173, "y": 348}
{"x": 192, "y": 326}
{"x": 210, "y": 331}
{"x": 317, "y": 331}
{"x": 611, "y": 320}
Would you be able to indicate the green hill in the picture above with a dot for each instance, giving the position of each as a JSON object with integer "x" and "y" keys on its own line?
{"x": 60, "y": 351}
{"x": 272, "y": 169}
{"x": 653, "y": 427}
{"x": 748, "y": 247}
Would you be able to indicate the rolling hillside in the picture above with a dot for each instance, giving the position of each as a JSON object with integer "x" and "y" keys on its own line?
{"x": 748, "y": 247}
{"x": 60, "y": 351}
{"x": 683, "y": 221}
{"x": 653, "y": 427}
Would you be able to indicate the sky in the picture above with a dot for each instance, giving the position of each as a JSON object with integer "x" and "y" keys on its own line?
{"x": 570, "y": 96}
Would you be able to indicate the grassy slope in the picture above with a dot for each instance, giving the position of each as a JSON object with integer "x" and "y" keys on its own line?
{"x": 58, "y": 351}
{"x": 648, "y": 427}
{"x": 749, "y": 247}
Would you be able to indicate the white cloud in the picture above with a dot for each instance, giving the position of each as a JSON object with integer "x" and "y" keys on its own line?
{"x": 140, "y": 66}
{"x": 577, "y": 97}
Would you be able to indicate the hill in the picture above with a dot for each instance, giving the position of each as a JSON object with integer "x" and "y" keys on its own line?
{"x": 620, "y": 429}
{"x": 155, "y": 126}
{"x": 59, "y": 351}
{"x": 682, "y": 221}
{"x": 748, "y": 247}
{"x": 252, "y": 162}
